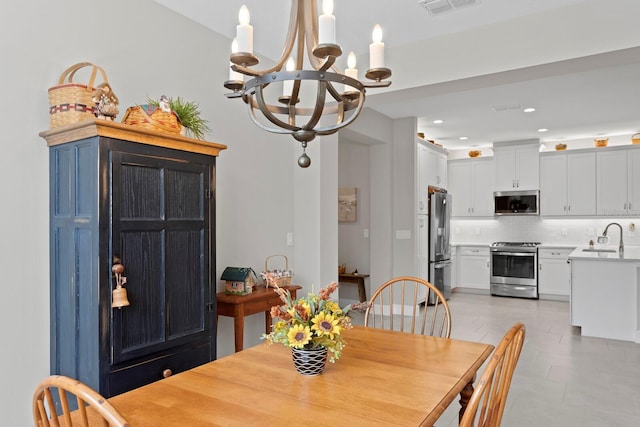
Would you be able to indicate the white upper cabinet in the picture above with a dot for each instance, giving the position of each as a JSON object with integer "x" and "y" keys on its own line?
{"x": 618, "y": 182}
{"x": 470, "y": 183}
{"x": 568, "y": 184}
{"x": 421, "y": 180}
{"x": 517, "y": 167}
{"x": 431, "y": 170}
{"x": 437, "y": 172}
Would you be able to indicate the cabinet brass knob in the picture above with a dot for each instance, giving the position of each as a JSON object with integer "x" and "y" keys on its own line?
{"x": 166, "y": 373}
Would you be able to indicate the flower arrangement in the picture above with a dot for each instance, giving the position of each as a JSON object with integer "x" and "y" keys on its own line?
{"x": 309, "y": 323}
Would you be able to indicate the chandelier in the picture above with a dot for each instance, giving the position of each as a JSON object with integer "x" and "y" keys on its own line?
{"x": 338, "y": 96}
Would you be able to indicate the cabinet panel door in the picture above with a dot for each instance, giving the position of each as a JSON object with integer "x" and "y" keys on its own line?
{"x": 634, "y": 182}
{"x": 528, "y": 168}
{"x": 460, "y": 174}
{"x": 554, "y": 277}
{"x": 160, "y": 217}
{"x": 611, "y": 182}
{"x": 553, "y": 185}
{"x": 422, "y": 180}
{"x": 505, "y": 169}
{"x": 473, "y": 272}
{"x": 482, "y": 185}
{"x": 581, "y": 184}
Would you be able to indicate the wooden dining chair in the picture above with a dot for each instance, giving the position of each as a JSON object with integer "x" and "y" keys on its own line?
{"x": 409, "y": 304}
{"x": 44, "y": 405}
{"x": 486, "y": 405}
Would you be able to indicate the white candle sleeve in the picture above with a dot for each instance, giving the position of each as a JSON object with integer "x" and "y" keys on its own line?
{"x": 234, "y": 75}
{"x": 244, "y": 34}
{"x": 327, "y": 29}
{"x": 376, "y": 55}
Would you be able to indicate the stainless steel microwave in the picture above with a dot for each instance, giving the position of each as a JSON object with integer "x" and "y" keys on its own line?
{"x": 516, "y": 202}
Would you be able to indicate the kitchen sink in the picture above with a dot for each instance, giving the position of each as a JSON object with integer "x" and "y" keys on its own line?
{"x": 613, "y": 251}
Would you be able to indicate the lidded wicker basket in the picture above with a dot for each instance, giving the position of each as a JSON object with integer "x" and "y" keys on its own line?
{"x": 152, "y": 117}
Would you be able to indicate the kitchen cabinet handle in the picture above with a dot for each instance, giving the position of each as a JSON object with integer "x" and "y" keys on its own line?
{"x": 625, "y": 206}
{"x": 569, "y": 208}
{"x": 540, "y": 267}
{"x": 167, "y": 373}
{"x": 564, "y": 208}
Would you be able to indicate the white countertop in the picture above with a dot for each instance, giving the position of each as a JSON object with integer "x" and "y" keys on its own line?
{"x": 556, "y": 246}
{"x": 631, "y": 253}
{"x": 484, "y": 245}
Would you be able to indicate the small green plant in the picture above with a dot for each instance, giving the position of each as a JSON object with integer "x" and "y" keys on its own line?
{"x": 188, "y": 113}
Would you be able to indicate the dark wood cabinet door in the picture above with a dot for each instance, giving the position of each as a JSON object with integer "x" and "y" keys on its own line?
{"x": 161, "y": 213}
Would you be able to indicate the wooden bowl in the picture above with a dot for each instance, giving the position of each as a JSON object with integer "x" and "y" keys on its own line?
{"x": 635, "y": 139}
{"x": 475, "y": 153}
{"x": 561, "y": 147}
{"x": 601, "y": 142}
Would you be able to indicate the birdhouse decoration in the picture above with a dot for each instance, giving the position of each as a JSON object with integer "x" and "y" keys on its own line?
{"x": 239, "y": 280}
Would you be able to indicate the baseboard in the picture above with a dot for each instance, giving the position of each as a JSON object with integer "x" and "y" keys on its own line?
{"x": 463, "y": 290}
{"x": 551, "y": 297}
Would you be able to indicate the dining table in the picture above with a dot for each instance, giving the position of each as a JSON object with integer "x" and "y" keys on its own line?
{"x": 383, "y": 378}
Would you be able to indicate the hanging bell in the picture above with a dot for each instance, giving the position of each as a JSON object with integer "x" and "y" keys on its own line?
{"x": 119, "y": 294}
{"x": 119, "y": 298}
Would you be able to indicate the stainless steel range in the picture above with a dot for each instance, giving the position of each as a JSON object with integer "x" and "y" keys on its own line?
{"x": 514, "y": 269}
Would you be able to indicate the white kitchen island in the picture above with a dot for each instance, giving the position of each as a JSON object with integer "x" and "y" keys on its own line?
{"x": 605, "y": 292}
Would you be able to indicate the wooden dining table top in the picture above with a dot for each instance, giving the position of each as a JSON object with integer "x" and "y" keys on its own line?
{"x": 382, "y": 378}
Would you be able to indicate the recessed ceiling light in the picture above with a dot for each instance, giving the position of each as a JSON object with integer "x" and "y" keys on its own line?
{"x": 463, "y": 138}
{"x": 542, "y": 130}
{"x": 438, "y": 121}
{"x": 529, "y": 110}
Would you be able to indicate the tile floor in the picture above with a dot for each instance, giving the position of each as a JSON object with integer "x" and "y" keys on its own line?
{"x": 562, "y": 379}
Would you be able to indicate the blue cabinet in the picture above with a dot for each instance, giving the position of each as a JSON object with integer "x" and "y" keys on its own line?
{"x": 151, "y": 207}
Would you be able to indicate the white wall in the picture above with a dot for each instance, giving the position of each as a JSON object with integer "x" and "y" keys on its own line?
{"x": 354, "y": 169}
{"x": 146, "y": 50}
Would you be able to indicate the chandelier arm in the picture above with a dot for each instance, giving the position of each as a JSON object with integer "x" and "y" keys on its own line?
{"x": 328, "y": 130}
{"x": 245, "y": 70}
{"x": 321, "y": 95}
{"x": 328, "y": 62}
{"x": 311, "y": 32}
{"x": 264, "y": 108}
{"x": 252, "y": 114}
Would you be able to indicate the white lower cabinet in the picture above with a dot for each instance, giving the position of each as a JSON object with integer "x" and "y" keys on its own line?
{"x": 473, "y": 267}
{"x": 554, "y": 273}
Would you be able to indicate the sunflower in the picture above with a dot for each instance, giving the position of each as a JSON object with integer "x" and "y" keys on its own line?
{"x": 299, "y": 335}
{"x": 326, "y": 324}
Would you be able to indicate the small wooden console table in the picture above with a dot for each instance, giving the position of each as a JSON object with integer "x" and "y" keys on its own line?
{"x": 358, "y": 279}
{"x": 239, "y": 306}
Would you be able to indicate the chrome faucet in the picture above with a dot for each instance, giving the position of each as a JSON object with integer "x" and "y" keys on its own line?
{"x": 604, "y": 234}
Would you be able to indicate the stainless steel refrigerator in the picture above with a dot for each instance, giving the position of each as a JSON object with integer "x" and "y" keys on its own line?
{"x": 439, "y": 221}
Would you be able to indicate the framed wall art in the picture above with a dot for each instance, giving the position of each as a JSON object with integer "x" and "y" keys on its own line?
{"x": 347, "y": 203}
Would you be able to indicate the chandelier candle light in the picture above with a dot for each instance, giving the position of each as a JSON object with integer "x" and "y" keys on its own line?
{"x": 340, "y": 95}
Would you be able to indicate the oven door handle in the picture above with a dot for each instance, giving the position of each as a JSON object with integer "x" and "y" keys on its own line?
{"x": 530, "y": 254}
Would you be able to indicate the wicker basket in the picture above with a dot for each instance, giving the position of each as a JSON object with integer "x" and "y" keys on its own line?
{"x": 152, "y": 117}
{"x": 635, "y": 138}
{"x": 601, "y": 142}
{"x": 71, "y": 102}
{"x": 281, "y": 277}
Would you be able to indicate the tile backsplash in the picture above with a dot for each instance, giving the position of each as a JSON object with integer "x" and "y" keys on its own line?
{"x": 538, "y": 229}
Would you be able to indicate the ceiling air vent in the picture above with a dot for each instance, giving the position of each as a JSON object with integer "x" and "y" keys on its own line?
{"x": 438, "y": 6}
